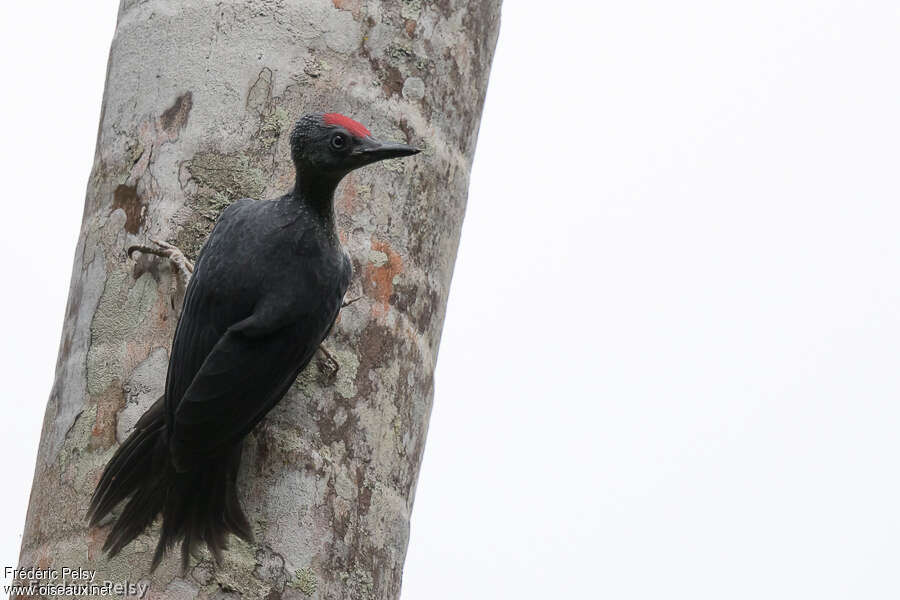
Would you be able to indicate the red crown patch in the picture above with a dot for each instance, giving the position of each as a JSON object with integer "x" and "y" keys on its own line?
{"x": 357, "y": 129}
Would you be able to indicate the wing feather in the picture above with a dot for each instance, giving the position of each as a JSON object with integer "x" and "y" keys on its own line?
{"x": 239, "y": 382}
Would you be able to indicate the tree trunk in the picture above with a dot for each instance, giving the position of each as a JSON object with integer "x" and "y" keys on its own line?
{"x": 199, "y": 101}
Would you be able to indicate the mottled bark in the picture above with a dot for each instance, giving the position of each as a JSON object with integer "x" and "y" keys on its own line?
{"x": 199, "y": 100}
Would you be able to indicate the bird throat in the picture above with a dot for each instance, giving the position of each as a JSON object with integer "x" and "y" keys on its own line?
{"x": 316, "y": 191}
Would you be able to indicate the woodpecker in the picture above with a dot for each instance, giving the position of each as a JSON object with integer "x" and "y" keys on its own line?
{"x": 265, "y": 292}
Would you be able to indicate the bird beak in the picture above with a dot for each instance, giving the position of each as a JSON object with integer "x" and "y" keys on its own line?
{"x": 371, "y": 150}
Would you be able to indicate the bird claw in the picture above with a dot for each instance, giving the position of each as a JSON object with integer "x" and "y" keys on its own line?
{"x": 170, "y": 251}
{"x": 329, "y": 366}
{"x": 347, "y": 303}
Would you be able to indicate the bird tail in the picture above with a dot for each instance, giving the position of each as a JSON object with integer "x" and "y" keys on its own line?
{"x": 196, "y": 506}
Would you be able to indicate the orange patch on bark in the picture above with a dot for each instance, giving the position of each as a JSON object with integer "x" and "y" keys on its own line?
{"x": 110, "y": 402}
{"x": 352, "y": 6}
{"x": 346, "y": 198}
{"x": 379, "y": 280}
{"x": 44, "y": 560}
{"x": 96, "y": 537}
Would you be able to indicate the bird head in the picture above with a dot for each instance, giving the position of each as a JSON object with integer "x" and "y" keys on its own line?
{"x": 331, "y": 145}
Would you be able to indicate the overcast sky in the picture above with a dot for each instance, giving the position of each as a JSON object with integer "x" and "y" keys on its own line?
{"x": 669, "y": 367}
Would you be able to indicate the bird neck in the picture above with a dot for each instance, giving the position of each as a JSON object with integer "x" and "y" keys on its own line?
{"x": 317, "y": 193}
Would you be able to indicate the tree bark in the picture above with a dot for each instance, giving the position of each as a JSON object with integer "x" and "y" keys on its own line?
{"x": 199, "y": 102}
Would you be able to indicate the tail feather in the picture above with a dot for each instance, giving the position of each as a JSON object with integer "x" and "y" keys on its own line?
{"x": 107, "y": 495}
{"x": 197, "y": 507}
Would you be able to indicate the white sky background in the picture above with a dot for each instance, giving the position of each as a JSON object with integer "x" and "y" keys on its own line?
{"x": 670, "y": 361}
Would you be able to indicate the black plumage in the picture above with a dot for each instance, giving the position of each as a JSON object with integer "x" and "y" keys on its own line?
{"x": 266, "y": 290}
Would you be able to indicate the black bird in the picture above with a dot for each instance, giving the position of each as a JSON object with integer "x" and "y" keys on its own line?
{"x": 265, "y": 292}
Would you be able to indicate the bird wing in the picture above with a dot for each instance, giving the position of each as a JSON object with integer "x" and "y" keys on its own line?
{"x": 203, "y": 320}
{"x": 240, "y": 380}
{"x": 197, "y": 332}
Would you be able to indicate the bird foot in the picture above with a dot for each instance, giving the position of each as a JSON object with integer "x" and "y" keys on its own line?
{"x": 329, "y": 366}
{"x": 347, "y": 303}
{"x": 166, "y": 250}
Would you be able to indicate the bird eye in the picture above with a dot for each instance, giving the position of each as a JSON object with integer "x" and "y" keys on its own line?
{"x": 338, "y": 141}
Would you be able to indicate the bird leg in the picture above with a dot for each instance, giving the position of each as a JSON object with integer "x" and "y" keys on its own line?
{"x": 173, "y": 253}
{"x": 330, "y": 363}
{"x": 347, "y": 303}
{"x": 330, "y": 366}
